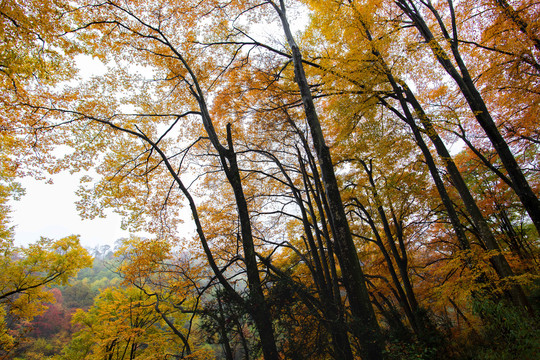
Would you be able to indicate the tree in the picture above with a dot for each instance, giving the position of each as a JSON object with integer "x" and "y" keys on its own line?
{"x": 353, "y": 72}
{"x": 461, "y": 75}
{"x": 27, "y": 274}
{"x": 165, "y": 45}
{"x": 29, "y": 57}
{"x": 122, "y": 324}
{"x": 228, "y": 159}
{"x": 365, "y": 324}
{"x": 32, "y": 61}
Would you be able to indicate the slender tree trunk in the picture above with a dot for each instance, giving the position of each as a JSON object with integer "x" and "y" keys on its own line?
{"x": 223, "y": 331}
{"x": 439, "y": 184}
{"x": 332, "y": 311}
{"x": 257, "y": 305}
{"x": 322, "y": 206}
{"x": 401, "y": 261}
{"x": 400, "y": 295}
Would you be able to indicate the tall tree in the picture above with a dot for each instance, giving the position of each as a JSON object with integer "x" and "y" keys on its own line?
{"x": 156, "y": 41}
{"x": 462, "y": 76}
{"x": 365, "y": 324}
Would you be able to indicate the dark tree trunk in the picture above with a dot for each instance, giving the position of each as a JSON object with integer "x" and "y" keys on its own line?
{"x": 223, "y": 331}
{"x": 257, "y": 306}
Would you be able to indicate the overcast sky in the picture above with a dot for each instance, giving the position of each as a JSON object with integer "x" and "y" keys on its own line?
{"x": 49, "y": 210}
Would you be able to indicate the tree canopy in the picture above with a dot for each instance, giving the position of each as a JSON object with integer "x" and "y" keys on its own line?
{"x": 363, "y": 184}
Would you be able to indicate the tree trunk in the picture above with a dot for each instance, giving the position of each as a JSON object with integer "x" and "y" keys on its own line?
{"x": 257, "y": 305}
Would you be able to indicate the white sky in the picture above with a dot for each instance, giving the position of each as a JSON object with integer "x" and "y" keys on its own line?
{"x": 49, "y": 210}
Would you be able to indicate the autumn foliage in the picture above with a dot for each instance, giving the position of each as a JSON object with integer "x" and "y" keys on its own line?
{"x": 317, "y": 179}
